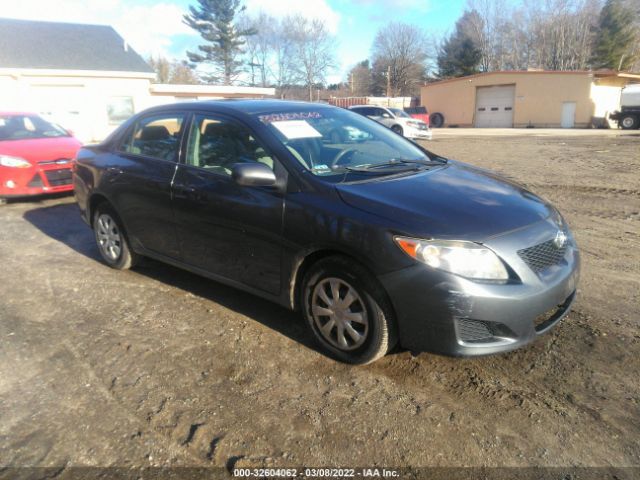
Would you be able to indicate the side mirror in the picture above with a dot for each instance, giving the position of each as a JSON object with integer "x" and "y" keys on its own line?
{"x": 253, "y": 174}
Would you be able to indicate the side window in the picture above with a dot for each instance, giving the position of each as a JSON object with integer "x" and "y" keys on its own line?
{"x": 156, "y": 137}
{"x": 217, "y": 144}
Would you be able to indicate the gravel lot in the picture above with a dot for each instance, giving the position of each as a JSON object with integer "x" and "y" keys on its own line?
{"x": 160, "y": 367}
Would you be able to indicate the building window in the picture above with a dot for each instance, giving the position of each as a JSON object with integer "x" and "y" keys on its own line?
{"x": 119, "y": 109}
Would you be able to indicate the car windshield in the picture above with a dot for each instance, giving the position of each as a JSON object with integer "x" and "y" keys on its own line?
{"x": 330, "y": 142}
{"x": 20, "y": 127}
{"x": 400, "y": 113}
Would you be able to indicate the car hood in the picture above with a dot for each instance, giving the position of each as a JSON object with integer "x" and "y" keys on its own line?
{"x": 39, "y": 149}
{"x": 455, "y": 201}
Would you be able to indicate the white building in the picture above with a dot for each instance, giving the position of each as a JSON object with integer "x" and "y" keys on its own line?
{"x": 85, "y": 77}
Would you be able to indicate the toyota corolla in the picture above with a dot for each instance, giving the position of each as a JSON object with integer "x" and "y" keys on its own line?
{"x": 377, "y": 243}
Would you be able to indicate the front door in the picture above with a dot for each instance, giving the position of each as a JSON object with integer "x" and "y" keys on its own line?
{"x": 226, "y": 229}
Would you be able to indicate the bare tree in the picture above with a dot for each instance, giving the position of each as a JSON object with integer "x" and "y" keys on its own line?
{"x": 360, "y": 81}
{"x": 550, "y": 34}
{"x": 400, "y": 54}
{"x": 313, "y": 48}
{"x": 171, "y": 71}
{"x": 260, "y": 46}
{"x": 285, "y": 71}
{"x": 161, "y": 66}
{"x": 182, "y": 73}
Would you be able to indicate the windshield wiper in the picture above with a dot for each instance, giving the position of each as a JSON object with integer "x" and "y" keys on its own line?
{"x": 391, "y": 165}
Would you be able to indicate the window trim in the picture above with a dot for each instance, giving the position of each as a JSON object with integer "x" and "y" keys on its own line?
{"x": 186, "y": 117}
{"x": 221, "y": 116}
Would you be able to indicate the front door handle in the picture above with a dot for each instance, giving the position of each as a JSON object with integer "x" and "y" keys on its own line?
{"x": 183, "y": 191}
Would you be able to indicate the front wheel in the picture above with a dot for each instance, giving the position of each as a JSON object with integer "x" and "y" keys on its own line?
{"x": 629, "y": 122}
{"x": 111, "y": 239}
{"x": 347, "y": 311}
{"x": 398, "y": 129}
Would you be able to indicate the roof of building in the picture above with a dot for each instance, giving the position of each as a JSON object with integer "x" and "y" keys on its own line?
{"x": 595, "y": 73}
{"x": 29, "y": 44}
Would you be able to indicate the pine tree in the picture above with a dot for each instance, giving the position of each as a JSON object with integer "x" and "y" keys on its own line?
{"x": 459, "y": 55}
{"x": 214, "y": 20}
{"x": 614, "y": 37}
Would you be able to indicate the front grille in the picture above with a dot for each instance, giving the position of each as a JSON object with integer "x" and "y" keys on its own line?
{"x": 543, "y": 255}
{"x": 57, "y": 178}
{"x": 473, "y": 330}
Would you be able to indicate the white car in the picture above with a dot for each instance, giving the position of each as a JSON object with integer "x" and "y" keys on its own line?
{"x": 397, "y": 120}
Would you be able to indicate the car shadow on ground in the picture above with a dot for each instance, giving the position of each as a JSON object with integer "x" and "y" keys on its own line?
{"x": 62, "y": 222}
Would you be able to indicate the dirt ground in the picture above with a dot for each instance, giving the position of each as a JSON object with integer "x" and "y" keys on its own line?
{"x": 156, "y": 366}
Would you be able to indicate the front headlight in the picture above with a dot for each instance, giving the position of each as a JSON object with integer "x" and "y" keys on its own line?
{"x": 414, "y": 123}
{"x": 466, "y": 259}
{"x": 13, "y": 162}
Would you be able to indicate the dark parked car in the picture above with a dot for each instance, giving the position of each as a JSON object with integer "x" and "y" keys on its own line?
{"x": 376, "y": 242}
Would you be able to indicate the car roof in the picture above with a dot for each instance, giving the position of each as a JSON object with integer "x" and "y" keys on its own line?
{"x": 246, "y": 106}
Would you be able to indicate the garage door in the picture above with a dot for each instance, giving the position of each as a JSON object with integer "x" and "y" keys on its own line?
{"x": 494, "y": 106}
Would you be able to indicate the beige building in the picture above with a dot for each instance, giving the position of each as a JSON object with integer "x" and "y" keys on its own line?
{"x": 86, "y": 77}
{"x": 543, "y": 99}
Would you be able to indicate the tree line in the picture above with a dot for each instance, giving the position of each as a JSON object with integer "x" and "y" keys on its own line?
{"x": 296, "y": 54}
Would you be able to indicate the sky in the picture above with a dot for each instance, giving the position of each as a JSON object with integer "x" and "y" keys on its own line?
{"x": 154, "y": 27}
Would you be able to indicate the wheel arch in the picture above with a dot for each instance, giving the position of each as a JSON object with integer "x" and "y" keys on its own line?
{"x": 95, "y": 200}
{"x": 305, "y": 261}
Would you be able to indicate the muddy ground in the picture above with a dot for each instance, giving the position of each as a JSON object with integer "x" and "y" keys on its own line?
{"x": 156, "y": 366}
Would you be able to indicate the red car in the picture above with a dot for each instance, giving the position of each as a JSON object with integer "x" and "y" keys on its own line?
{"x": 35, "y": 156}
{"x": 420, "y": 113}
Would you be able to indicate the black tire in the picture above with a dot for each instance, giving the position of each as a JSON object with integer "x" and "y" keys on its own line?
{"x": 629, "y": 122}
{"x": 379, "y": 335}
{"x": 398, "y": 129}
{"x": 125, "y": 257}
{"x": 436, "y": 120}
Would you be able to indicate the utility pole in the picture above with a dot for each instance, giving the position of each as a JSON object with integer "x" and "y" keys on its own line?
{"x": 388, "y": 75}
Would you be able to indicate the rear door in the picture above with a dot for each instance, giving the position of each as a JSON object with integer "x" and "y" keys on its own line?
{"x": 226, "y": 229}
{"x": 139, "y": 177}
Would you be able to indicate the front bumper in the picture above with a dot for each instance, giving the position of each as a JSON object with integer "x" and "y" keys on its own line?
{"x": 444, "y": 313}
{"x": 417, "y": 133}
{"x": 37, "y": 180}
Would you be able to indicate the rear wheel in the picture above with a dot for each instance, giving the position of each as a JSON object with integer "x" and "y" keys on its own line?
{"x": 436, "y": 120}
{"x": 629, "y": 122}
{"x": 398, "y": 129}
{"x": 347, "y": 311}
{"x": 112, "y": 240}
